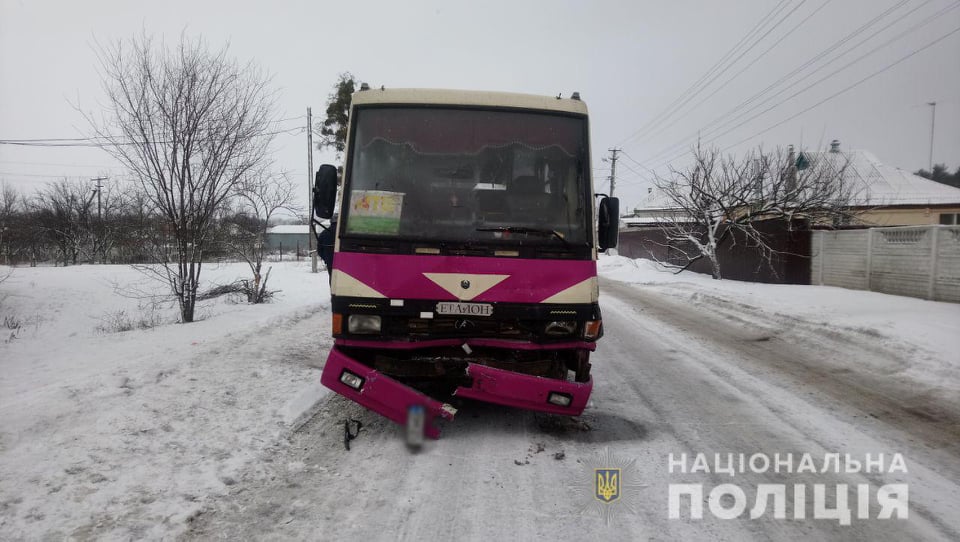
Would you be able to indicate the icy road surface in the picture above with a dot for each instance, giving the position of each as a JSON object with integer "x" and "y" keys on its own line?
{"x": 672, "y": 377}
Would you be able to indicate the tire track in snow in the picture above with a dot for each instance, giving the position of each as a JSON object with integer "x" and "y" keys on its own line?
{"x": 719, "y": 390}
{"x": 663, "y": 385}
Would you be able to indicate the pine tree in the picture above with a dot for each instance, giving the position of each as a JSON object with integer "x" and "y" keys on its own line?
{"x": 333, "y": 129}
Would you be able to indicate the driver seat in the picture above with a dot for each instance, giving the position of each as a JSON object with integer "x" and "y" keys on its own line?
{"x": 526, "y": 198}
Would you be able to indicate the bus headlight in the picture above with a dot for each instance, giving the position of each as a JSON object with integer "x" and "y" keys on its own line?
{"x": 363, "y": 323}
{"x": 352, "y": 380}
{"x": 560, "y": 328}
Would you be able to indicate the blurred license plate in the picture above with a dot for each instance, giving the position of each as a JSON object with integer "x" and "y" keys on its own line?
{"x": 465, "y": 309}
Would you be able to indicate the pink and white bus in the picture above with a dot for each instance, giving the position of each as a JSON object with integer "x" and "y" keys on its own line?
{"x": 465, "y": 253}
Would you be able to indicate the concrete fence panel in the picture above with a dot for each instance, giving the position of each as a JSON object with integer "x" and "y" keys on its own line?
{"x": 946, "y": 286}
{"x": 916, "y": 261}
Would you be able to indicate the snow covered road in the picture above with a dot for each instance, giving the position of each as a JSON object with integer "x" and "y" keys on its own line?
{"x": 672, "y": 379}
{"x": 219, "y": 429}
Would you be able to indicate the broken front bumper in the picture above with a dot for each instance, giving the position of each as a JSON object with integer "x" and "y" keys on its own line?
{"x": 393, "y": 399}
{"x": 381, "y": 393}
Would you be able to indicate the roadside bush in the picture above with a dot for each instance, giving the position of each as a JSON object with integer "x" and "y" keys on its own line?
{"x": 119, "y": 321}
{"x": 14, "y": 325}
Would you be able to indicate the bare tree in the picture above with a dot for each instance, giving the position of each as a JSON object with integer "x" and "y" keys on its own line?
{"x": 64, "y": 213}
{"x": 719, "y": 199}
{"x": 25, "y": 236}
{"x": 137, "y": 231}
{"x": 106, "y": 223}
{"x": 189, "y": 123}
{"x": 9, "y": 203}
{"x": 259, "y": 197}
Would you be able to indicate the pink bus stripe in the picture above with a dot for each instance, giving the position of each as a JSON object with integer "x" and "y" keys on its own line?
{"x": 402, "y": 276}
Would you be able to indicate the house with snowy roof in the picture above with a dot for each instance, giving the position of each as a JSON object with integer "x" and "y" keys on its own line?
{"x": 886, "y": 195}
{"x": 883, "y": 195}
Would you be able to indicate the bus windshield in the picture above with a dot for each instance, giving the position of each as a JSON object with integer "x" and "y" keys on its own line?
{"x": 468, "y": 175}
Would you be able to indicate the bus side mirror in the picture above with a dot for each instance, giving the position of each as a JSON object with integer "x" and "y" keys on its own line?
{"x": 608, "y": 222}
{"x": 325, "y": 191}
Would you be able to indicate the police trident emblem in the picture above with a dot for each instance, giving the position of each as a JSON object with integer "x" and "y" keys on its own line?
{"x": 610, "y": 484}
{"x": 607, "y": 484}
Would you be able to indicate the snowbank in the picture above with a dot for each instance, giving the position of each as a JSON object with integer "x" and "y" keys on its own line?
{"x": 930, "y": 330}
{"x": 123, "y": 434}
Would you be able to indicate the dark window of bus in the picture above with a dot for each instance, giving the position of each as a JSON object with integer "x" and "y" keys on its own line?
{"x": 447, "y": 173}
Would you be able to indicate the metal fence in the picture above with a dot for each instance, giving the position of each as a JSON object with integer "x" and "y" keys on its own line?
{"x": 739, "y": 258}
{"x": 916, "y": 261}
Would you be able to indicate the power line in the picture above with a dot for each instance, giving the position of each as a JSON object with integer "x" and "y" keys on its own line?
{"x": 44, "y": 176}
{"x": 709, "y": 72}
{"x": 649, "y": 172}
{"x": 741, "y": 55}
{"x": 110, "y": 137}
{"x": 714, "y": 135}
{"x": 636, "y": 174}
{"x": 111, "y": 140}
{"x": 700, "y": 84}
{"x": 757, "y": 58}
{"x": 861, "y": 81}
{"x": 53, "y": 164}
{"x": 828, "y": 98}
{"x": 91, "y": 142}
{"x": 809, "y": 62}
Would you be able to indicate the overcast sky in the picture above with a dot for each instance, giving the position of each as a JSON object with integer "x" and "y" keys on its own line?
{"x": 629, "y": 60}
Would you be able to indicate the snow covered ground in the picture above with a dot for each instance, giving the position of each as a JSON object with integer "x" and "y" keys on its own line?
{"x": 198, "y": 430}
{"x": 125, "y": 434}
{"x": 929, "y": 331}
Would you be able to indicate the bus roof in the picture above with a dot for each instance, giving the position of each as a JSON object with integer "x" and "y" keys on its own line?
{"x": 424, "y": 96}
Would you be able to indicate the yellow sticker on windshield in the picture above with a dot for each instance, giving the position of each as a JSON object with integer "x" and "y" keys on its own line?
{"x": 375, "y": 211}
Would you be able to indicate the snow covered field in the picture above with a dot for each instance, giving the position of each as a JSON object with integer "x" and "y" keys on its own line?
{"x": 198, "y": 430}
{"x": 127, "y": 433}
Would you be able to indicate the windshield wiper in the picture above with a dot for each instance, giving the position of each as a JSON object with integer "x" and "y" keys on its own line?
{"x": 524, "y": 229}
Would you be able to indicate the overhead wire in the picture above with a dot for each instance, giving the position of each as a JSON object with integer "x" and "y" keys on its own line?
{"x": 109, "y": 141}
{"x": 53, "y": 164}
{"x": 824, "y": 100}
{"x": 712, "y": 135}
{"x": 708, "y": 128}
{"x": 106, "y": 142}
{"x": 638, "y": 164}
{"x": 695, "y": 87}
{"x": 850, "y": 87}
{"x": 101, "y": 142}
{"x": 757, "y": 58}
{"x": 756, "y": 42}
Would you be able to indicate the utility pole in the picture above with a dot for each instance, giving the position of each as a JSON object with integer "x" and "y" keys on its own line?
{"x": 613, "y": 168}
{"x": 933, "y": 121}
{"x": 312, "y": 241}
{"x": 98, "y": 189}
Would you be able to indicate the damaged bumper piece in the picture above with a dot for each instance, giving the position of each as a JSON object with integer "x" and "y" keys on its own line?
{"x": 393, "y": 399}
{"x": 526, "y": 391}
{"x": 381, "y": 393}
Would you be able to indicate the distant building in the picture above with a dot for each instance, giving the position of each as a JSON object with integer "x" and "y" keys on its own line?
{"x": 885, "y": 195}
{"x": 288, "y": 238}
{"x": 889, "y": 196}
